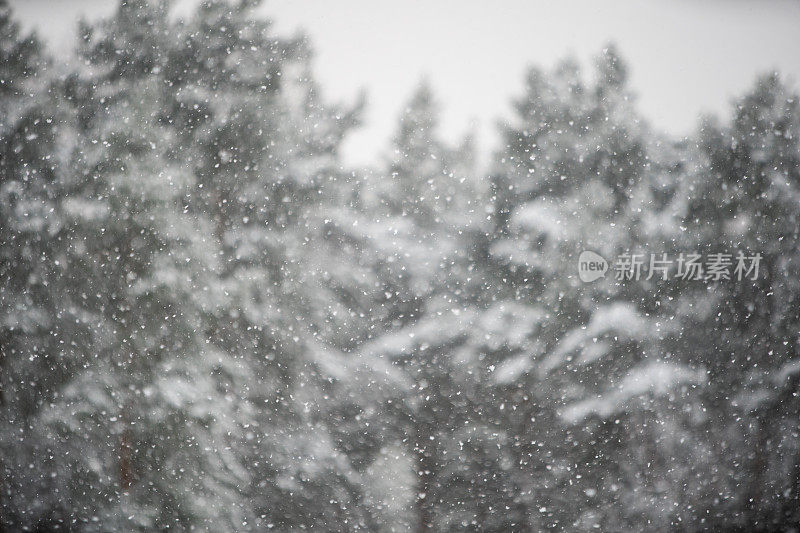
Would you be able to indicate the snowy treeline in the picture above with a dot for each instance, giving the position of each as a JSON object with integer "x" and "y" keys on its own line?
{"x": 207, "y": 323}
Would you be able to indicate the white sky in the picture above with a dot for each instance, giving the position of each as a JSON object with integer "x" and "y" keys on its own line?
{"x": 686, "y": 57}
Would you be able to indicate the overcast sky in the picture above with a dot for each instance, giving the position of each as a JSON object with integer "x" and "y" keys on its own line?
{"x": 686, "y": 57}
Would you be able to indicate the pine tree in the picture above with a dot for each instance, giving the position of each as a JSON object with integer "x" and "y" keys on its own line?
{"x": 136, "y": 258}
{"x": 40, "y": 323}
{"x": 743, "y": 200}
{"x": 576, "y": 174}
{"x": 196, "y": 366}
{"x": 432, "y": 210}
{"x": 267, "y": 167}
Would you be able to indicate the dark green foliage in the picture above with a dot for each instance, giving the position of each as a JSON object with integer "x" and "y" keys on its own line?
{"x": 206, "y": 323}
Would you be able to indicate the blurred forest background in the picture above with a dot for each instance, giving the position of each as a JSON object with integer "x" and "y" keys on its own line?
{"x": 208, "y": 323}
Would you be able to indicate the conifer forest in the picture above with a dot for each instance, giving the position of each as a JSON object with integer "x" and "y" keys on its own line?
{"x": 210, "y": 322}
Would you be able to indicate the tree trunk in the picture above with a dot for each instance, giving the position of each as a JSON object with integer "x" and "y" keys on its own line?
{"x": 126, "y": 450}
{"x": 757, "y": 468}
{"x": 424, "y": 465}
